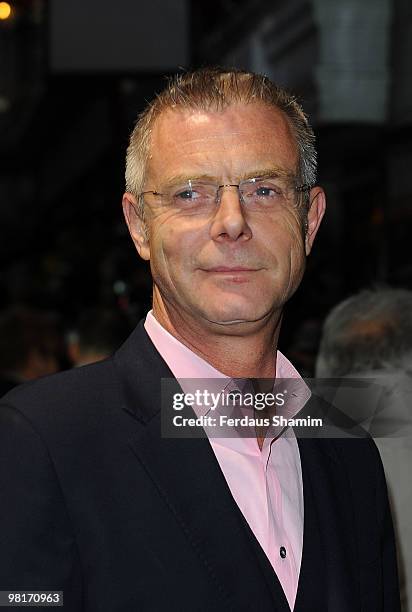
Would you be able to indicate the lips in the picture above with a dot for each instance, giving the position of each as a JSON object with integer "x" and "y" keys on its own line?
{"x": 230, "y": 269}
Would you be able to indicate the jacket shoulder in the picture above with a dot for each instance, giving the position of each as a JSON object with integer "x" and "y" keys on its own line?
{"x": 80, "y": 390}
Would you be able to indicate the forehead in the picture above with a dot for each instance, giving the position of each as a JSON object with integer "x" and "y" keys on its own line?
{"x": 221, "y": 143}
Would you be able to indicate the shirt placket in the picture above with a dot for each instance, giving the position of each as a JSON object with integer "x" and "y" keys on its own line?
{"x": 280, "y": 551}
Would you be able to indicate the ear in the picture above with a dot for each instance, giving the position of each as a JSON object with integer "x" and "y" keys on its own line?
{"x": 317, "y": 206}
{"x": 136, "y": 225}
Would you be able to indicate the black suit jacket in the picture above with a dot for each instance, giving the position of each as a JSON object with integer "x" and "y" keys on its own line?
{"x": 94, "y": 502}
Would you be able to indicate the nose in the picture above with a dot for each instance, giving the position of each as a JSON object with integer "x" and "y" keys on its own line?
{"x": 229, "y": 221}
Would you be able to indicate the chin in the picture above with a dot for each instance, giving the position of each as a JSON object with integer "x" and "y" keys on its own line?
{"x": 229, "y": 315}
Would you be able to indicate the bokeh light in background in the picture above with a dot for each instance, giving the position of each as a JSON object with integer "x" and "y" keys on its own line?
{"x": 5, "y": 10}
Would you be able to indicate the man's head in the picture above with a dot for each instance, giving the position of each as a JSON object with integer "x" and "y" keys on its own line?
{"x": 221, "y": 254}
{"x": 367, "y": 332}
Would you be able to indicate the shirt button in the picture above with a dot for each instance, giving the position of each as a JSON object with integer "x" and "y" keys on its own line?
{"x": 282, "y": 552}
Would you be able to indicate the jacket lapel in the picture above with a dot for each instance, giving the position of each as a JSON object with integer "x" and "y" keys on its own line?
{"x": 190, "y": 482}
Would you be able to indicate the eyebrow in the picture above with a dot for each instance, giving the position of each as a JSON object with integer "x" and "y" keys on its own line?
{"x": 274, "y": 171}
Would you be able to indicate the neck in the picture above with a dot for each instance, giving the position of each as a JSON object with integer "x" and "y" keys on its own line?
{"x": 241, "y": 350}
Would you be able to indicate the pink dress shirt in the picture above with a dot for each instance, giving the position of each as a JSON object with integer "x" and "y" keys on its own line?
{"x": 266, "y": 484}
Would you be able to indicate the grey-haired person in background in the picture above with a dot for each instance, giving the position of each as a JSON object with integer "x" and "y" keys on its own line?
{"x": 368, "y": 336}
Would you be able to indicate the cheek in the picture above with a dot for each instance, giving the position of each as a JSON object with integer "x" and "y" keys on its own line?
{"x": 284, "y": 241}
{"x": 296, "y": 240}
{"x": 296, "y": 251}
{"x": 173, "y": 246}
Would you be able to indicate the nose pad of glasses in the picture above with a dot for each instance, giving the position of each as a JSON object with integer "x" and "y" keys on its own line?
{"x": 220, "y": 190}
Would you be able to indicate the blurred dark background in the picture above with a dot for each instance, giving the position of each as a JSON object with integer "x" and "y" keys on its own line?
{"x": 73, "y": 77}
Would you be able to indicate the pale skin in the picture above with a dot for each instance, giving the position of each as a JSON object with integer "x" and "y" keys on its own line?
{"x": 231, "y": 317}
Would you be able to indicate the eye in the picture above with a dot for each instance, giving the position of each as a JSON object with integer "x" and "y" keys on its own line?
{"x": 266, "y": 191}
{"x": 196, "y": 194}
{"x": 186, "y": 194}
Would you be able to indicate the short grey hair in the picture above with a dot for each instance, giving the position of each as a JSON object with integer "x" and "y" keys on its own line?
{"x": 371, "y": 330}
{"x": 216, "y": 89}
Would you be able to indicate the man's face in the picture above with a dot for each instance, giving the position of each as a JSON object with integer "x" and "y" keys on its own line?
{"x": 232, "y": 264}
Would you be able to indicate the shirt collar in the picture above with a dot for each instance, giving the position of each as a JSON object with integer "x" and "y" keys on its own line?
{"x": 186, "y": 365}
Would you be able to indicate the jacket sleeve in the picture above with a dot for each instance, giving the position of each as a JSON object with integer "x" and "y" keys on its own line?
{"x": 37, "y": 546}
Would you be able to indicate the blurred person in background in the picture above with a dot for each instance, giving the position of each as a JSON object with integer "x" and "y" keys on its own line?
{"x": 29, "y": 346}
{"x": 96, "y": 335}
{"x": 369, "y": 336}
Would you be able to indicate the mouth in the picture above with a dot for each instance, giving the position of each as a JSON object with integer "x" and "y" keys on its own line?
{"x": 235, "y": 274}
{"x": 231, "y": 270}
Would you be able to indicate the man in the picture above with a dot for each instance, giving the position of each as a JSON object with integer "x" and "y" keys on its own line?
{"x": 29, "y": 346}
{"x": 96, "y": 335}
{"x": 221, "y": 201}
{"x": 368, "y": 338}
